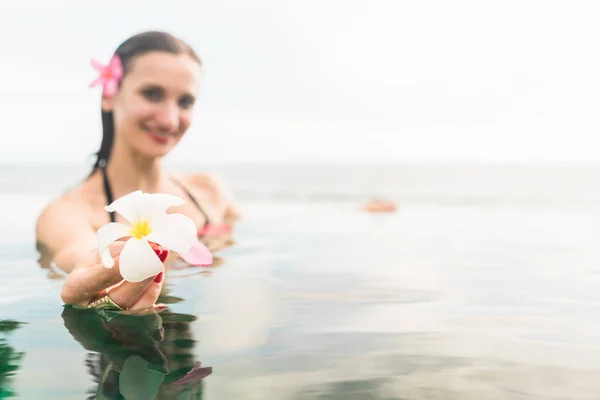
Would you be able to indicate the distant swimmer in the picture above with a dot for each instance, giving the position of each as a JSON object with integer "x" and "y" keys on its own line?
{"x": 379, "y": 205}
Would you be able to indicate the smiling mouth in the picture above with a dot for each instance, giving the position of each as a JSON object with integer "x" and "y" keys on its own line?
{"x": 158, "y": 137}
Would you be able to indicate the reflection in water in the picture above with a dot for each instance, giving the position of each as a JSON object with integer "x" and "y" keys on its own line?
{"x": 45, "y": 261}
{"x": 138, "y": 357}
{"x": 9, "y": 358}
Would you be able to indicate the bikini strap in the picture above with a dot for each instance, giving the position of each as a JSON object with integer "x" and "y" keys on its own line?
{"x": 192, "y": 198}
{"x": 108, "y": 193}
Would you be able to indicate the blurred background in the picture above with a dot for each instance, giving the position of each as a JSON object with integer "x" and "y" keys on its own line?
{"x": 478, "y": 118}
{"x": 312, "y": 85}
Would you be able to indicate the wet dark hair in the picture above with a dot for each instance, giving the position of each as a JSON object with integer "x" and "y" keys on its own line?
{"x": 137, "y": 45}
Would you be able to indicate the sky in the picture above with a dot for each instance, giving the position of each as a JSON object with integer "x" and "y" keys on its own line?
{"x": 321, "y": 81}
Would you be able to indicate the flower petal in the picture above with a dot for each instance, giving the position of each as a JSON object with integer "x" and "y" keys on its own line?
{"x": 106, "y": 259}
{"x": 115, "y": 67}
{"x": 198, "y": 255}
{"x": 97, "y": 65}
{"x": 98, "y": 81}
{"x": 155, "y": 205}
{"x": 176, "y": 232}
{"x": 128, "y": 206}
{"x": 107, "y": 235}
{"x": 138, "y": 261}
{"x": 111, "y": 86}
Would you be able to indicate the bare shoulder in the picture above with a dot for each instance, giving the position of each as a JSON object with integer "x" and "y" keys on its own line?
{"x": 216, "y": 190}
{"x": 62, "y": 217}
{"x": 65, "y": 230}
{"x": 206, "y": 183}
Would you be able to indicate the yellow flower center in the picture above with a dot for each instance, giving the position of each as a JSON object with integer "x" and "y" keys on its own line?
{"x": 140, "y": 229}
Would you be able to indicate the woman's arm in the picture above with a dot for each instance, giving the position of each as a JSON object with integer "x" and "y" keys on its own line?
{"x": 65, "y": 230}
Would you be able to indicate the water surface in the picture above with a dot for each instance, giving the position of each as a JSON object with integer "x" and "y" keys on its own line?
{"x": 321, "y": 301}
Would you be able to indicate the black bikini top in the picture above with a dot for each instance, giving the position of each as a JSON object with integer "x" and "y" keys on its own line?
{"x": 109, "y": 196}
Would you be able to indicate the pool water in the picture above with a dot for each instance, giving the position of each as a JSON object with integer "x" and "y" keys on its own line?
{"x": 321, "y": 301}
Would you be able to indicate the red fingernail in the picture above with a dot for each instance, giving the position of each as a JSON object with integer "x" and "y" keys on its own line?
{"x": 159, "y": 278}
{"x": 160, "y": 306}
{"x": 160, "y": 251}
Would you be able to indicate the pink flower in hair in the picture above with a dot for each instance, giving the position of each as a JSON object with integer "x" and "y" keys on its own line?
{"x": 110, "y": 75}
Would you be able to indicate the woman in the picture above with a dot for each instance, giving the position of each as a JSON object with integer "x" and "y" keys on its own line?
{"x": 149, "y": 92}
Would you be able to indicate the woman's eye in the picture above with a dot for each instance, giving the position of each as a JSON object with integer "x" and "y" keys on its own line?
{"x": 153, "y": 94}
{"x": 186, "y": 102}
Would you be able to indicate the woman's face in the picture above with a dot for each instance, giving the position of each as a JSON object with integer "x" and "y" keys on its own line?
{"x": 153, "y": 107}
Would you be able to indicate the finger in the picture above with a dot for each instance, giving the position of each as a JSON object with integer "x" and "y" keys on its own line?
{"x": 90, "y": 277}
{"x": 150, "y": 296}
{"x": 93, "y": 257}
{"x": 128, "y": 293}
{"x": 80, "y": 287}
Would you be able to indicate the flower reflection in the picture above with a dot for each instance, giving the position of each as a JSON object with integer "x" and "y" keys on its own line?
{"x": 138, "y": 357}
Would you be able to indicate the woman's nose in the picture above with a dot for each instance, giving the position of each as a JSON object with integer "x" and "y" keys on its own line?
{"x": 168, "y": 118}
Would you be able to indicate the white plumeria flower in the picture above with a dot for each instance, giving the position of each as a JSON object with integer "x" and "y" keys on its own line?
{"x": 149, "y": 222}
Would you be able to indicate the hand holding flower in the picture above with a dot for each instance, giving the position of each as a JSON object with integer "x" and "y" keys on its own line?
{"x": 128, "y": 263}
{"x": 148, "y": 223}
